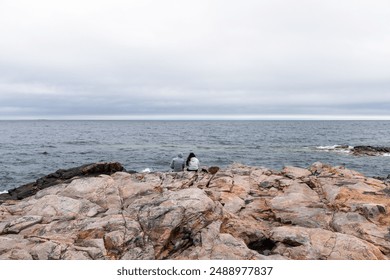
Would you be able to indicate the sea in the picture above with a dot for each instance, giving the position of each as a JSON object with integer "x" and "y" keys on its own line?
{"x": 34, "y": 148}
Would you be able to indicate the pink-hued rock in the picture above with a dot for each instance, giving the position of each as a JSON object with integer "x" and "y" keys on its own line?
{"x": 240, "y": 212}
{"x": 295, "y": 172}
{"x": 306, "y": 243}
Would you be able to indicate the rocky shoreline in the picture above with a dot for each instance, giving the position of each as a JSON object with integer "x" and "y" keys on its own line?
{"x": 62, "y": 176}
{"x": 241, "y": 212}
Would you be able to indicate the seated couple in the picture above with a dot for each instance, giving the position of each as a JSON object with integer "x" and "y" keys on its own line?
{"x": 178, "y": 164}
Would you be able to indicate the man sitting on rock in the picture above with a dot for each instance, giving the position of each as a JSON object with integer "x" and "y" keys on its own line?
{"x": 177, "y": 163}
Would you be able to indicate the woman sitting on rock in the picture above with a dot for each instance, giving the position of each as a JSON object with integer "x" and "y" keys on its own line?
{"x": 192, "y": 162}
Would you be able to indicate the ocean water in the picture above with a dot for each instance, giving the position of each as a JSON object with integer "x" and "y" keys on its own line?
{"x": 31, "y": 149}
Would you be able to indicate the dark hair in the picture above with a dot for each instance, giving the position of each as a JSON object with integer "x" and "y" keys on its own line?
{"x": 190, "y": 156}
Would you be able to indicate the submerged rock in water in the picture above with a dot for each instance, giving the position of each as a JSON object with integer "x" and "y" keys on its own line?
{"x": 241, "y": 212}
{"x": 357, "y": 150}
{"x": 370, "y": 150}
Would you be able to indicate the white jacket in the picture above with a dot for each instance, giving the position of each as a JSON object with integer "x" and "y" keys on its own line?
{"x": 193, "y": 164}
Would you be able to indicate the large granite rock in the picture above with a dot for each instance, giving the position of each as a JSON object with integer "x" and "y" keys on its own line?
{"x": 61, "y": 176}
{"x": 240, "y": 212}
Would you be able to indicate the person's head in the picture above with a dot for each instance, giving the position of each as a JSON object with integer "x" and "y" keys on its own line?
{"x": 179, "y": 155}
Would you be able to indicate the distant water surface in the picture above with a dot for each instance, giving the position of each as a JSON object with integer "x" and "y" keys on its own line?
{"x": 31, "y": 149}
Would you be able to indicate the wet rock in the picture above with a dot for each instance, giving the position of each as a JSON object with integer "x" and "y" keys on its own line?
{"x": 370, "y": 150}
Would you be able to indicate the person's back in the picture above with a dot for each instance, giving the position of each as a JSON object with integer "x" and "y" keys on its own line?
{"x": 192, "y": 163}
{"x": 177, "y": 163}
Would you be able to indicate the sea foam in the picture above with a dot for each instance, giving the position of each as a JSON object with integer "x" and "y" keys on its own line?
{"x": 336, "y": 148}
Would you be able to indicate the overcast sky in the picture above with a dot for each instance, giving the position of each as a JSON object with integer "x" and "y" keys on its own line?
{"x": 194, "y": 59}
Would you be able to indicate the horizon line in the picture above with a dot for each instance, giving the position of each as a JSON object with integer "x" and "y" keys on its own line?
{"x": 197, "y": 117}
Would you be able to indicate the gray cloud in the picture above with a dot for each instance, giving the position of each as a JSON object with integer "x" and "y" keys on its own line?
{"x": 136, "y": 58}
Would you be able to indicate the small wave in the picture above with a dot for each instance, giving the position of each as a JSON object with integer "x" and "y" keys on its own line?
{"x": 80, "y": 142}
{"x": 1, "y": 192}
{"x": 86, "y": 153}
{"x": 48, "y": 146}
{"x": 336, "y": 148}
{"x": 326, "y": 147}
{"x": 386, "y": 155}
{"x": 146, "y": 170}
